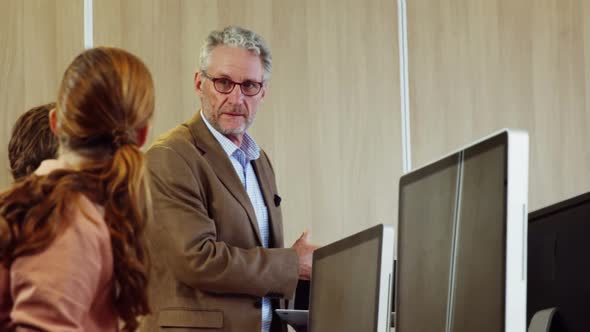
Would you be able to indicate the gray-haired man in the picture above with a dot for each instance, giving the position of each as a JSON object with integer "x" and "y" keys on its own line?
{"x": 217, "y": 234}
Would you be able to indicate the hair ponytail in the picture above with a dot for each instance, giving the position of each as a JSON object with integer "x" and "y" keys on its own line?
{"x": 125, "y": 186}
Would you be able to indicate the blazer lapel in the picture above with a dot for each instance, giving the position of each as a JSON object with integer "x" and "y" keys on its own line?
{"x": 268, "y": 195}
{"x": 223, "y": 168}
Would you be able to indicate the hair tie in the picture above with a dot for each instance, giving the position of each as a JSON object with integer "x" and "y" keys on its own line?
{"x": 121, "y": 138}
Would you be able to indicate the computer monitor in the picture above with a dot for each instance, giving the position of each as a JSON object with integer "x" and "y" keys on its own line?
{"x": 351, "y": 283}
{"x": 461, "y": 255}
{"x": 558, "y": 264}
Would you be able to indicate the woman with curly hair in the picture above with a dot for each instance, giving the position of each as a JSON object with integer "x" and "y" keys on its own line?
{"x": 71, "y": 234}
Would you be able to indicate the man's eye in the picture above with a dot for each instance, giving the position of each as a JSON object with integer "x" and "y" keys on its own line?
{"x": 224, "y": 81}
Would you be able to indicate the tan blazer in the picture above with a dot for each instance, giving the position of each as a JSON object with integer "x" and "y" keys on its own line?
{"x": 209, "y": 268}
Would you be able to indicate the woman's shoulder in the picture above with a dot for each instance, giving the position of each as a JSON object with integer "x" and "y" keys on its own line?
{"x": 82, "y": 251}
{"x": 87, "y": 218}
{"x": 58, "y": 286}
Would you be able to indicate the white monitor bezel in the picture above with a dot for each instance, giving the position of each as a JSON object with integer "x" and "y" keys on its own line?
{"x": 517, "y": 159}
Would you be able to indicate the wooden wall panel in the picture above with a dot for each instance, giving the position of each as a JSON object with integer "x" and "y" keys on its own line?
{"x": 353, "y": 127}
{"x": 40, "y": 74}
{"x": 39, "y": 38}
{"x": 561, "y": 110}
{"x": 198, "y": 19}
{"x": 69, "y": 27}
{"x": 288, "y": 126}
{"x": 166, "y": 35}
{"x": 255, "y": 14}
{"x": 479, "y": 66}
{"x": 12, "y": 94}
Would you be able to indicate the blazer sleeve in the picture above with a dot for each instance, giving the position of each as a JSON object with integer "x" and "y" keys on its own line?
{"x": 54, "y": 290}
{"x": 187, "y": 237}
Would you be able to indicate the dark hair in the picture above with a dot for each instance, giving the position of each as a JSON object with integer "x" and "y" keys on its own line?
{"x": 32, "y": 141}
{"x": 106, "y": 95}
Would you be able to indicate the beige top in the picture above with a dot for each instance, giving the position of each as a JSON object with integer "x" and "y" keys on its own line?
{"x": 67, "y": 287}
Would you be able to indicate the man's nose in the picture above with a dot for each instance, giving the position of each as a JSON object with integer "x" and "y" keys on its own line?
{"x": 236, "y": 96}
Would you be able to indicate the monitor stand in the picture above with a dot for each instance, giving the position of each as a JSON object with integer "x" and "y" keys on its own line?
{"x": 541, "y": 321}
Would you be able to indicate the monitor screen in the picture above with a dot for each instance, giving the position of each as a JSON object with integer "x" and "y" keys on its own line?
{"x": 423, "y": 256}
{"x": 351, "y": 284}
{"x": 452, "y": 242}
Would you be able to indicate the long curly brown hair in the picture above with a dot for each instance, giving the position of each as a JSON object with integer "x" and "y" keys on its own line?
{"x": 105, "y": 97}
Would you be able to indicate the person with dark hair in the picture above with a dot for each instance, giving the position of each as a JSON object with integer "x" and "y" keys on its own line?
{"x": 72, "y": 250}
{"x": 32, "y": 141}
{"x": 217, "y": 235}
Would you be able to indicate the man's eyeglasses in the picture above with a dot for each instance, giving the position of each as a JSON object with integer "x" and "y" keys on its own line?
{"x": 226, "y": 86}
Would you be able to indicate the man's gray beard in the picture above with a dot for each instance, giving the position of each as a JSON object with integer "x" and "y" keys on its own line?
{"x": 237, "y": 131}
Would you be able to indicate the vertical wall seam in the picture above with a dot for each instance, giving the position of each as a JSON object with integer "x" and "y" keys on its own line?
{"x": 88, "y": 24}
{"x": 404, "y": 86}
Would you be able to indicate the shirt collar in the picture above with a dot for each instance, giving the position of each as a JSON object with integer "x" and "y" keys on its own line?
{"x": 249, "y": 146}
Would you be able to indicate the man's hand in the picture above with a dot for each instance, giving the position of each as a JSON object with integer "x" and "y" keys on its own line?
{"x": 304, "y": 252}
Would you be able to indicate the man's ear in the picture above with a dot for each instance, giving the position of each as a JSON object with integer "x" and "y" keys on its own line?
{"x": 142, "y": 134}
{"x": 53, "y": 122}
{"x": 198, "y": 81}
{"x": 263, "y": 92}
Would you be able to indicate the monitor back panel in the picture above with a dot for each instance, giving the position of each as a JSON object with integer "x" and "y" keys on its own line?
{"x": 461, "y": 236}
{"x": 351, "y": 283}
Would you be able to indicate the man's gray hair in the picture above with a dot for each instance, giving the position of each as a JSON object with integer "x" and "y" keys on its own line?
{"x": 235, "y": 36}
